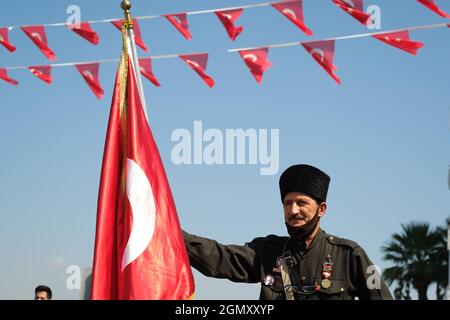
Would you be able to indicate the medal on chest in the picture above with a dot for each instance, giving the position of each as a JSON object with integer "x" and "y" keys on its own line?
{"x": 327, "y": 269}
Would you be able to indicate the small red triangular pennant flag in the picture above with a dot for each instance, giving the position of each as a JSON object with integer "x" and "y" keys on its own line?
{"x": 323, "y": 53}
{"x": 84, "y": 30}
{"x": 400, "y": 40}
{"x": 38, "y": 36}
{"x": 228, "y": 18}
{"x": 42, "y": 72}
{"x": 180, "y": 22}
{"x": 89, "y": 71}
{"x": 256, "y": 61}
{"x": 4, "y": 40}
{"x": 198, "y": 63}
{"x": 355, "y": 8}
{"x": 293, "y": 10}
{"x": 433, "y": 7}
{"x": 4, "y": 76}
{"x": 145, "y": 66}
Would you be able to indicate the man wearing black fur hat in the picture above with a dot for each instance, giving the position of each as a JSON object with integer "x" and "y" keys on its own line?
{"x": 308, "y": 265}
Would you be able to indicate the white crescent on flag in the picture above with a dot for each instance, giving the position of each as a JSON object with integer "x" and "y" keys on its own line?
{"x": 290, "y": 12}
{"x": 143, "y": 208}
{"x": 36, "y": 72}
{"x": 177, "y": 20}
{"x": 250, "y": 56}
{"x": 36, "y": 35}
{"x": 1, "y": 38}
{"x": 193, "y": 63}
{"x": 88, "y": 74}
{"x": 228, "y": 16}
{"x": 349, "y": 3}
{"x": 319, "y": 52}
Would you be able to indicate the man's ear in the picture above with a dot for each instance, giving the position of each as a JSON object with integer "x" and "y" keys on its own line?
{"x": 322, "y": 209}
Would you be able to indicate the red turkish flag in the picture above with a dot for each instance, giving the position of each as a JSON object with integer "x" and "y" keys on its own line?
{"x": 145, "y": 66}
{"x": 323, "y": 53}
{"x": 4, "y": 76}
{"x": 180, "y": 22}
{"x": 355, "y": 8}
{"x": 198, "y": 62}
{"x": 89, "y": 71}
{"x": 400, "y": 40}
{"x": 293, "y": 10}
{"x": 139, "y": 248}
{"x": 256, "y": 61}
{"x": 84, "y": 30}
{"x": 228, "y": 18}
{"x": 38, "y": 36}
{"x": 4, "y": 40}
{"x": 433, "y": 7}
{"x": 42, "y": 72}
{"x": 137, "y": 33}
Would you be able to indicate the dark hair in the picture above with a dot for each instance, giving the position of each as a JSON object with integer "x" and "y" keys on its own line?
{"x": 45, "y": 289}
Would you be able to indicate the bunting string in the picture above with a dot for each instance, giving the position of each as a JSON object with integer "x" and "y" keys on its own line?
{"x": 279, "y": 45}
{"x": 148, "y": 17}
{"x": 353, "y": 36}
{"x": 255, "y": 58}
{"x": 291, "y": 9}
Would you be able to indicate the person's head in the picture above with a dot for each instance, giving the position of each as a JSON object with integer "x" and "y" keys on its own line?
{"x": 42, "y": 293}
{"x": 303, "y": 190}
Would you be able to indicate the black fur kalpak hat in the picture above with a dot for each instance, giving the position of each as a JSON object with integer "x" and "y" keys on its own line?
{"x": 305, "y": 179}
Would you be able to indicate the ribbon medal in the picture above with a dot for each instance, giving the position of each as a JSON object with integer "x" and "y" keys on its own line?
{"x": 327, "y": 269}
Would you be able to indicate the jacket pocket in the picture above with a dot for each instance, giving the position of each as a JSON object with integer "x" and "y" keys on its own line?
{"x": 336, "y": 290}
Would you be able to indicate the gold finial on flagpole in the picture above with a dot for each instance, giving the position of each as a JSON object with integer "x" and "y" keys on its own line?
{"x": 126, "y": 6}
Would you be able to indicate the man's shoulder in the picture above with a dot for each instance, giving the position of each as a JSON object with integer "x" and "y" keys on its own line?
{"x": 271, "y": 239}
{"x": 342, "y": 242}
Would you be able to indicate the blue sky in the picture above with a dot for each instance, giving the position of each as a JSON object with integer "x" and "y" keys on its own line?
{"x": 383, "y": 136}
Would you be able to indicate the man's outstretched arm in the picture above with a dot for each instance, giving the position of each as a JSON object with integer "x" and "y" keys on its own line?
{"x": 233, "y": 262}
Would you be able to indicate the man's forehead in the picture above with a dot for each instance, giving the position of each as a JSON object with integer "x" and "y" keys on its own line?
{"x": 297, "y": 196}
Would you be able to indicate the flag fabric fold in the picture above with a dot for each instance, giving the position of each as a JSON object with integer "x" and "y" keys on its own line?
{"x": 228, "y": 19}
{"x": 180, "y": 22}
{"x": 38, "y": 36}
{"x": 85, "y": 31}
{"x": 323, "y": 53}
{"x": 139, "y": 247}
{"x": 430, "y": 4}
{"x": 355, "y": 8}
{"x": 198, "y": 63}
{"x": 400, "y": 40}
{"x": 257, "y": 61}
{"x": 137, "y": 33}
{"x": 293, "y": 10}
{"x": 4, "y": 76}
{"x": 42, "y": 72}
{"x": 89, "y": 72}
{"x": 4, "y": 40}
{"x": 145, "y": 66}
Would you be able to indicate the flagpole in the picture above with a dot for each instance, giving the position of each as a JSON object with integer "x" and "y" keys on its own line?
{"x": 126, "y": 6}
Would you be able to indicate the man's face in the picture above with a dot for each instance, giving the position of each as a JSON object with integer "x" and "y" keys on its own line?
{"x": 41, "y": 295}
{"x": 300, "y": 208}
